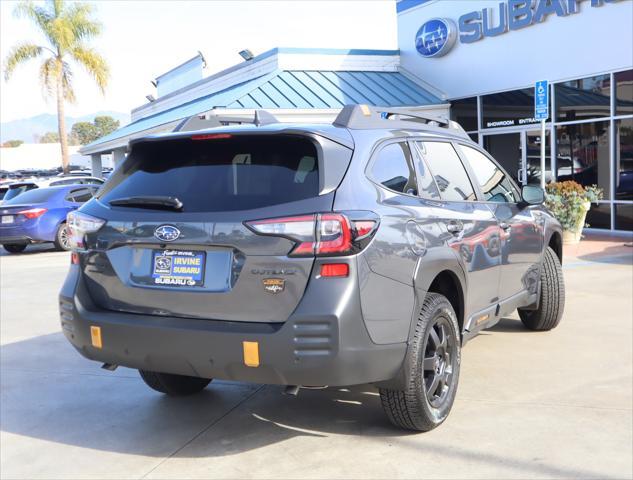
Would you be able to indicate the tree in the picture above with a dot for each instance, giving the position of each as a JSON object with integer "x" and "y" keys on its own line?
{"x": 49, "y": 137}
{"x": 67, "y": 28}
{"x": 86, "y": 132}
{"x": 12, "y": 143}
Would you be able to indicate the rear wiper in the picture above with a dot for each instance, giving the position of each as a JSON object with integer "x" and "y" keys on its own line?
{"x": 159, "y": 202}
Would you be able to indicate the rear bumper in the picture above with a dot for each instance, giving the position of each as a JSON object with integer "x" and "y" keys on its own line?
{"x": 318, "y": 345}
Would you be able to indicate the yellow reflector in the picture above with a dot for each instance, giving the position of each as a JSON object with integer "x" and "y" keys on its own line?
{"x": 251, "y": 354}
{"x": 95, "y": 335}
{"x": 365, "y": 110}
{"x": 481, "y": 319}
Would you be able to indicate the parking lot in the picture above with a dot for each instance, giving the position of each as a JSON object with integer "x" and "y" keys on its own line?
{"x": 529, "y": 405}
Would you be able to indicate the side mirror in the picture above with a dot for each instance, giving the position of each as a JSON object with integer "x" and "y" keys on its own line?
{"x": 532, "y": 195}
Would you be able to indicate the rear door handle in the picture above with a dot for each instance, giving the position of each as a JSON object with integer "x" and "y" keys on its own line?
{"x": 454, "y": 227}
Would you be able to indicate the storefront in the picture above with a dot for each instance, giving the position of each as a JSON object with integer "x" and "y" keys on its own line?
{"x": 486, "y": 56}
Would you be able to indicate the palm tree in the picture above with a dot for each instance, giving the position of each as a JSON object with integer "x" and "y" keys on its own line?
{"x": 67, "y": 28}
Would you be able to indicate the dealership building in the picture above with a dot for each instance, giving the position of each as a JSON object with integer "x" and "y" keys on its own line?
{"x": 476, "y": 61}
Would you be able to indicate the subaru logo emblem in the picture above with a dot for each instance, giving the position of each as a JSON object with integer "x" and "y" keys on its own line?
{"x": 436, "y": 37}
{"x": 167, "y": 233}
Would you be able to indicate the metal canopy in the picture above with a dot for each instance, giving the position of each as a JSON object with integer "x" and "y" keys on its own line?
{"x": 286, "y": 89}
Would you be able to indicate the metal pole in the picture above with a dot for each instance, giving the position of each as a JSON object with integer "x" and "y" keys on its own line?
{"x": 543, "y": 153}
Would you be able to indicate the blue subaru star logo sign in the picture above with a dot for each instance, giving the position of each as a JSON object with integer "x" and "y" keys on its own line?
{"x": 167, "y": 233}
{"x": 436, "y": 37}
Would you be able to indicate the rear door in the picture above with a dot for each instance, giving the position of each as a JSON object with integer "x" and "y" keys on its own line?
{"x": 521, "y": 233}
{"x": 201, "y": 261}
{"x": 469, "y": 227}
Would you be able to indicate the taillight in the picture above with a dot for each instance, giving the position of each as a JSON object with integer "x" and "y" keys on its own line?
{"x": 320, "y": 234}
{"x": 80, "y": 224}
{"x": 211, "y": 136}
{"x": 33, "y": 212}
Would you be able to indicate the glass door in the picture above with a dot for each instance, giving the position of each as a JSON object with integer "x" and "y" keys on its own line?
{"x": 533, "y": 156}
{"x": 507, "y": 149}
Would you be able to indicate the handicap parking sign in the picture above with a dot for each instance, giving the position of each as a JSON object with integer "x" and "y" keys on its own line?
{"x": 541, "y": 100}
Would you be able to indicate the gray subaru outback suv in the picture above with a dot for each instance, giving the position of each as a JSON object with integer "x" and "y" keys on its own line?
{"x": 366, "y": 251}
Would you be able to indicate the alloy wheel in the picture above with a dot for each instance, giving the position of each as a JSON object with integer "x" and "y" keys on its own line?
{"x": 439, "y": 362}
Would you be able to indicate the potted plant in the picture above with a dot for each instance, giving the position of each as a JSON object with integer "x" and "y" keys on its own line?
{"x": 569, "y": 202}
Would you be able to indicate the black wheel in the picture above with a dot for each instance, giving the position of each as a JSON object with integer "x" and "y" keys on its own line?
{"x": 432, "y": 370}
{"x": 62, "y": 238}
{"x": 14, "y": 248}
{"x": 174, "y": 385}
{"x": 552, "y": 299}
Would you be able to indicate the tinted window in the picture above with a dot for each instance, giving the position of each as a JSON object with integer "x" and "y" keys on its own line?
{"x": 584, "y": 98}
{"x": 506, "y": 109}
{"x": 464, "y": 112}
{"x": 494, "y": 184}
{"x": 623, "y": 92}
{"x": 37, "y": 195}
{"x": 237, "y": 173}
{"x": 393, "y": 168}
{"x": 80, "y": 196}
{"x": 15, "y": 191}
{"x": 448, "y": 171}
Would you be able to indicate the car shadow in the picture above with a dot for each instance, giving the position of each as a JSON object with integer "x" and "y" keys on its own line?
{"x": 31, "y": 250}
{"x": 49, "y": 392}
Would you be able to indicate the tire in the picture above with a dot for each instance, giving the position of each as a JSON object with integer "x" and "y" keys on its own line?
{"x": 14, "y": 248}
{"x": 552, "y": 298}
{"x": 62, "y": 238}
{"x": 419, "y": 407}
{"x": 174, "y": 385}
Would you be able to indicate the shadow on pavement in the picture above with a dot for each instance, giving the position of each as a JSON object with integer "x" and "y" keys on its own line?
{"x": 49, "y": 392}
{"x": 618, "y": 254}
{"x": 30, "y": 250}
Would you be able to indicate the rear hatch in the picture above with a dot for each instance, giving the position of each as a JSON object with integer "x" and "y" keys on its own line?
{"x": 175, "y": 241}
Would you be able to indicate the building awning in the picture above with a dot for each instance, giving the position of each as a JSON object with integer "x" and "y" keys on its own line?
{"x": 284, "y": 89}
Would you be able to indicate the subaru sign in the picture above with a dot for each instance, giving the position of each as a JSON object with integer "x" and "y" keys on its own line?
{"x": 436, "y": 37}
{"x": 541, "y": 103}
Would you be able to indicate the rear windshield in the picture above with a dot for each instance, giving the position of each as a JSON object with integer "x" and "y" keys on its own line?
{"x": 38, "y": 195}
{"x": 236, "y": 173}
{"x": 14, "y": 191}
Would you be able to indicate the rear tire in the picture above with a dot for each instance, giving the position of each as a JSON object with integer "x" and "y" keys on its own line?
{"x": 174, "y": 385}
{"x": 14, "y": 248}
{"x": 431, "y": 370}
{"x": 62, "y": 238}
{"x": 552, "y": 299}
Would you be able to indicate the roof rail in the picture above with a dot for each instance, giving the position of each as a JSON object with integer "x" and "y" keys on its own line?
{"x": 368, "y": 117}
{"x": 213, "y": 119}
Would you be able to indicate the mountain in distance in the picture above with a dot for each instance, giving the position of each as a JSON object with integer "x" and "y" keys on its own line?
{"x": 27, "y": 129}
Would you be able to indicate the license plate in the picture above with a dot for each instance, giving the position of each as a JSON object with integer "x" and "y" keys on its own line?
{"x": 7, "y": 219}
{"x": 178, "y": 268}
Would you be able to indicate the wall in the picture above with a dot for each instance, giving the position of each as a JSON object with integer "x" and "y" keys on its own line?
{"x": 595, "y": 40}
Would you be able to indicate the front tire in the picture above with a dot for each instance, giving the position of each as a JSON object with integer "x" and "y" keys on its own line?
{"x": 174, "y": 385}
{"x": 552, "y": 298}
{"x": 14, "y": 248}
{"x": 62, "y": 238}
{"x": 431, "y": 370}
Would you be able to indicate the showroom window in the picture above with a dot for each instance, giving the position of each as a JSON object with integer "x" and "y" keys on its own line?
{"x": 508, "y": 109}
{"x": 464, "y": 112}
{"x": 583, "y": 99}
{"x": 623, "y": 92}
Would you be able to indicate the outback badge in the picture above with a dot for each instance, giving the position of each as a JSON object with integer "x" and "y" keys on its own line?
{"x": 274, "y": 285}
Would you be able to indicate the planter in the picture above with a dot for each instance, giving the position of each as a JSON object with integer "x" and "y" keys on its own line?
{"x": 572, "y": 237}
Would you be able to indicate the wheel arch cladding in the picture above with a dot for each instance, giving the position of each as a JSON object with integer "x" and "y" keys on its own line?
{"x": 447, "y": 283}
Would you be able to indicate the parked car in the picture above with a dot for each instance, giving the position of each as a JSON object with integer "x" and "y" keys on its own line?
{"x": 20, "y": 187}
{"x": 39, "y": 215}
{"x": 310, "y": 255}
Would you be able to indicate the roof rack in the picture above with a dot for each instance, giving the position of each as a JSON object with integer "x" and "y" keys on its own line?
{"x": 368, "y": 117}
{"x": 213, "y": 119}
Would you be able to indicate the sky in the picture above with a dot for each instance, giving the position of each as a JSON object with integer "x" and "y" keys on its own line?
{"x": 143, "y": 38}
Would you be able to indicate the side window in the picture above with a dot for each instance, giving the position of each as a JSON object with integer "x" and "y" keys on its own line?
{"x": 448, "y": 171}
{"x": 494, "y": 183}
{"x": 393, "y": 168}
{"x": 80, "y": 196}
{"x": 428, "y": 188}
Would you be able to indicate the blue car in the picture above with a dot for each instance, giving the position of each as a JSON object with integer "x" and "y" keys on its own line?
{"x": 39, "y": 215}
